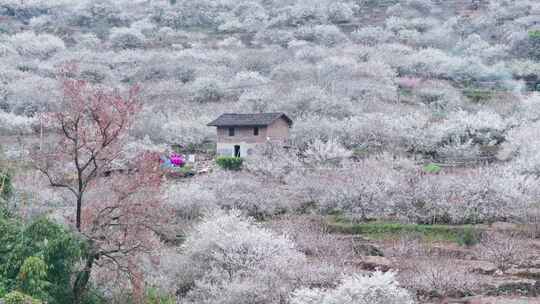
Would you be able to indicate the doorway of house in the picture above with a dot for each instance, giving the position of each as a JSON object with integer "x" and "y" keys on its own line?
{"x": 236, "y": 151}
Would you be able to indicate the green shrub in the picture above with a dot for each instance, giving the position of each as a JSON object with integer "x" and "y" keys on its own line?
{"x": 186, "y": 170}
{"x": 179, "y": 172}
{"x": 32, "y": 278}
{"x": 6, "y": 189}
{"x": 3, "y": 288}
{"x": 360, "y": 152}
{"x": 478, "y": 95}
{"x": 463, "y": 235}
{"x": 468, "y": 237}
{"x": 94, "y": 296}
{"x": 229, "y": 162}
{"x": 534, "y": 44}
{"x": 534, "y": 34}
{"x": 38, "y": 258}
{"x": 432, "y": 168}
{"x": 16, "y": 297}
{"x": 153, "y": 296}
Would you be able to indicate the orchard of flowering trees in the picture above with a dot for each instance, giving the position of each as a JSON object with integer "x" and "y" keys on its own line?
{"x": 415, "y": 121}
{"x": 330, "y": 60}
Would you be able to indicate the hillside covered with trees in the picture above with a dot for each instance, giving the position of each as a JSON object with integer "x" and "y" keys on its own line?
{"x": 412, "y": 174}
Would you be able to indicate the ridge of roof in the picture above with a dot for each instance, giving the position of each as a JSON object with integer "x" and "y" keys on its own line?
{"x": 248, "y": 119}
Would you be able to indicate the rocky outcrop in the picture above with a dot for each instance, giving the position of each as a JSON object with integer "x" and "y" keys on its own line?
{"x": 529, "y": 288}
{"x": 483, "y": 267}
{"x": 373, "y": 263}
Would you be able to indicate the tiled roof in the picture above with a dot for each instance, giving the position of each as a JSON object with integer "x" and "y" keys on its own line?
{"x": 255, "y": 119}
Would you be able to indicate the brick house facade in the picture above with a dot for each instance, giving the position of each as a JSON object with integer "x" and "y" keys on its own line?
{"x": 238, "y": 134}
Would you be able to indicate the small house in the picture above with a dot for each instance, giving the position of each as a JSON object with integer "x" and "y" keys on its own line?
{"x": 238, "y": 134}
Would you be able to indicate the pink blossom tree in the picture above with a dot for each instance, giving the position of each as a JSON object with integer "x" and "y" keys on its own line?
{"x": 116, "y": 203}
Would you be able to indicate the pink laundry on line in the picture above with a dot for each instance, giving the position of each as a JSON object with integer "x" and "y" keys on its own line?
{"x": 177, "y": 160}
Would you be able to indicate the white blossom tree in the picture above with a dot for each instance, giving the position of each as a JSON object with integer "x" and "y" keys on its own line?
{"x": 233, "y": 260}
{"x": 30, "y": 44}
{"x": 377, "y": 288}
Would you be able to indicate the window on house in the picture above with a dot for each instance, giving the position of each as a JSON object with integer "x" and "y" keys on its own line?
{"x": 231, "y": 131}
{"x": 256, "y": 131}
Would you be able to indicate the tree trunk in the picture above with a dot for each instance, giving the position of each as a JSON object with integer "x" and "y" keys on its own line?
{"x": 78, "y": 216}
{"x": 81, "y": 282}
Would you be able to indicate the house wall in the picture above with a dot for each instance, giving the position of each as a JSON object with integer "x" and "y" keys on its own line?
{"x": 227, "y": 149}
{"x": 278, "y": 131}
{"x": 243, "y": 137}
{"x": 241, "y": 134}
